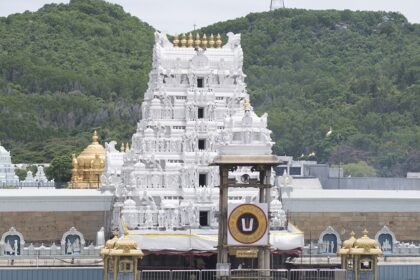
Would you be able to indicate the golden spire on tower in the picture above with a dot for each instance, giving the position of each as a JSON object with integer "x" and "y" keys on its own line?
{"x": 218, "y": 41}
{"x": 190, "y": 41}
{"x": 95, "y": 137}
{"x": 176, "y": 41}
{"x": 204, "y": 42}
{"x": 183, "y": 40}
{"x": 211, "y": 42}
{"x": 197, "y": 40}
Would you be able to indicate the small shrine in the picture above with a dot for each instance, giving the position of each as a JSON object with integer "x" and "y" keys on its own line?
{"x": 88, "y": 166}
{"x": 121, "y": 258}
{"x": 360, "y": 257}
{"x": 7, "y": 170}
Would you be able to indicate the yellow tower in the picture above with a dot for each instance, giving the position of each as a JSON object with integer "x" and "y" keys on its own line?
{"x": 121, "y": 258}
{"x": 360, "y": 257}
{"x": 88, "y": 166}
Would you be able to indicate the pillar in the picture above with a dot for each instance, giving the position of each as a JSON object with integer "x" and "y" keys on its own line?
{"x": 222, "y": 256}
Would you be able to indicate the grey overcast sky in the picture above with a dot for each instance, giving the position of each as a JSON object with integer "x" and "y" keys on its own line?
{"x": 176, "y": 16}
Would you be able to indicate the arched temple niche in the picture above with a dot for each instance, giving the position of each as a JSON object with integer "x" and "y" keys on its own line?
{"x": 11, "y": 243}
{"x": 72, "y": 242}
{"x": 386, "y": 240}
{"x": 329, "y": 241}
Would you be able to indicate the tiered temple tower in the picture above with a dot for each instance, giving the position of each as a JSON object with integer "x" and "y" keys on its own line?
{"x": 195, "y": 102}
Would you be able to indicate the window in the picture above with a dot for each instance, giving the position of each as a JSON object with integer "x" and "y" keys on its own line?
{"x": 200, "y": 82}
{"x": 204, "y": 218}
{"x": 201, "y": 144}
{"x": 200, "y": 114}
{"x": 202, "y": 179}
{"x": 126, "y": 266}
{"x": 295, "y": 171}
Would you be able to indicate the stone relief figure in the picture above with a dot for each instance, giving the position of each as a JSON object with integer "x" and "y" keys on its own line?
{"x": 183, "y": 216}
{"x": 162, "y": 40}
{"x": 8, "y": 249}
{"x": 175, "y": 219}
{"x": 161, "y": 218}
{"x": 234, "y": 40}
{"x": 69, "y": 248}
{"x": 386, "y": 245}
{"x": 149, "y": 217}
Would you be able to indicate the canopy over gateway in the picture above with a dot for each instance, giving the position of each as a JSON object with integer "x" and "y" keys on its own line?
{"x": 204, "y": 242}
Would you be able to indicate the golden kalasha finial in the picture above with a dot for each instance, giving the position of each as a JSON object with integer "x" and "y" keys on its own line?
{"x": 176, "y": 41}
{"x": 197, "y": 40}
{"x": 122, "y": 147}
{"x": 204, "y": 42}
{"x": 211, "y": 42}
{"x": 246, "y": 104}
{"x": 190, "y": 41}
{"x": 184, "y": 40}
{"x": 218, "y": 41}
{"x": 127, "y": 147}
{"x": 74, "y": 161}
{"x": 95, "y": 137}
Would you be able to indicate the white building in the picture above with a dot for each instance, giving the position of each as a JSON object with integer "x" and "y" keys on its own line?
{"x": 196, "y": 105}
{"x": 7, "y": 170}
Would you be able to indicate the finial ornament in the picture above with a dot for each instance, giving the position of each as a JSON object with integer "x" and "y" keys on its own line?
{"x": 124, "y": 226}
{"x": 197, "y": 40}
{"x": 365, "y": 232}
{"x": 74, "y": 161}
{"x": 211, "y": 42}
{"x": 184, "y": 40}
{"x": 204, "y": 42}
{"x": 218, "y": 41}
{"x": 176, "y": 41}
{"x": 127, "y": 147}
{"x": 95, "y": 137}
{"x": 122, "y": 147}
{"x": 352, "y": 233}
{"x": 246, "y": 104}
{"x": 190, "y": 41}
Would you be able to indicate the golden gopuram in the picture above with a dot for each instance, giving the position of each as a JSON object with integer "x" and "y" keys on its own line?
{"x": 88, "y": 166}
{"x": 359, "y": 257}
{"x": 121, "y": 258}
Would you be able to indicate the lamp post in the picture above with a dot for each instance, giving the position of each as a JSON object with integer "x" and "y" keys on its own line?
{"x": 339, "y": 139}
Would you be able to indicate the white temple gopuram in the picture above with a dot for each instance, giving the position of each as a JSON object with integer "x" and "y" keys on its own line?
{"x": 7, "y": 170}
{"x": 196, "y": 105}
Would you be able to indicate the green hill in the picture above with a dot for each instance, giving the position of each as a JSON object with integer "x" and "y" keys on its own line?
{"x": 357, "y": 72}
{"x": 67, "y": 69}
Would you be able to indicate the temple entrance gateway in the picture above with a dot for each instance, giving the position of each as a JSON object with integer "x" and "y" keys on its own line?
{"x": 244, "y": 228}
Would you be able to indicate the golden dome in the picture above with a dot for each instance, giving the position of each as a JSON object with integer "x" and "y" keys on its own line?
{"x": 89, "y": 153}
{"x": 365, "y": 242}
{"x": 126, "y": 244}
{"x": 111, "y": 243}
{"x": 347, "y": 244}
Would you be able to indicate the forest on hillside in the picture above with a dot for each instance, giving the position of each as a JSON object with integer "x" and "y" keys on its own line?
{"x": 70, "y": 68}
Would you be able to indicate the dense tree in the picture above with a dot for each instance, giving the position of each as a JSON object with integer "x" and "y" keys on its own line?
{"x": 60, "y": 169}
{"x": 359, "y": 169}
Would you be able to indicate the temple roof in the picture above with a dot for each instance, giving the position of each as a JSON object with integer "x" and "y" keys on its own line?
{"x": 90, "y": 152}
